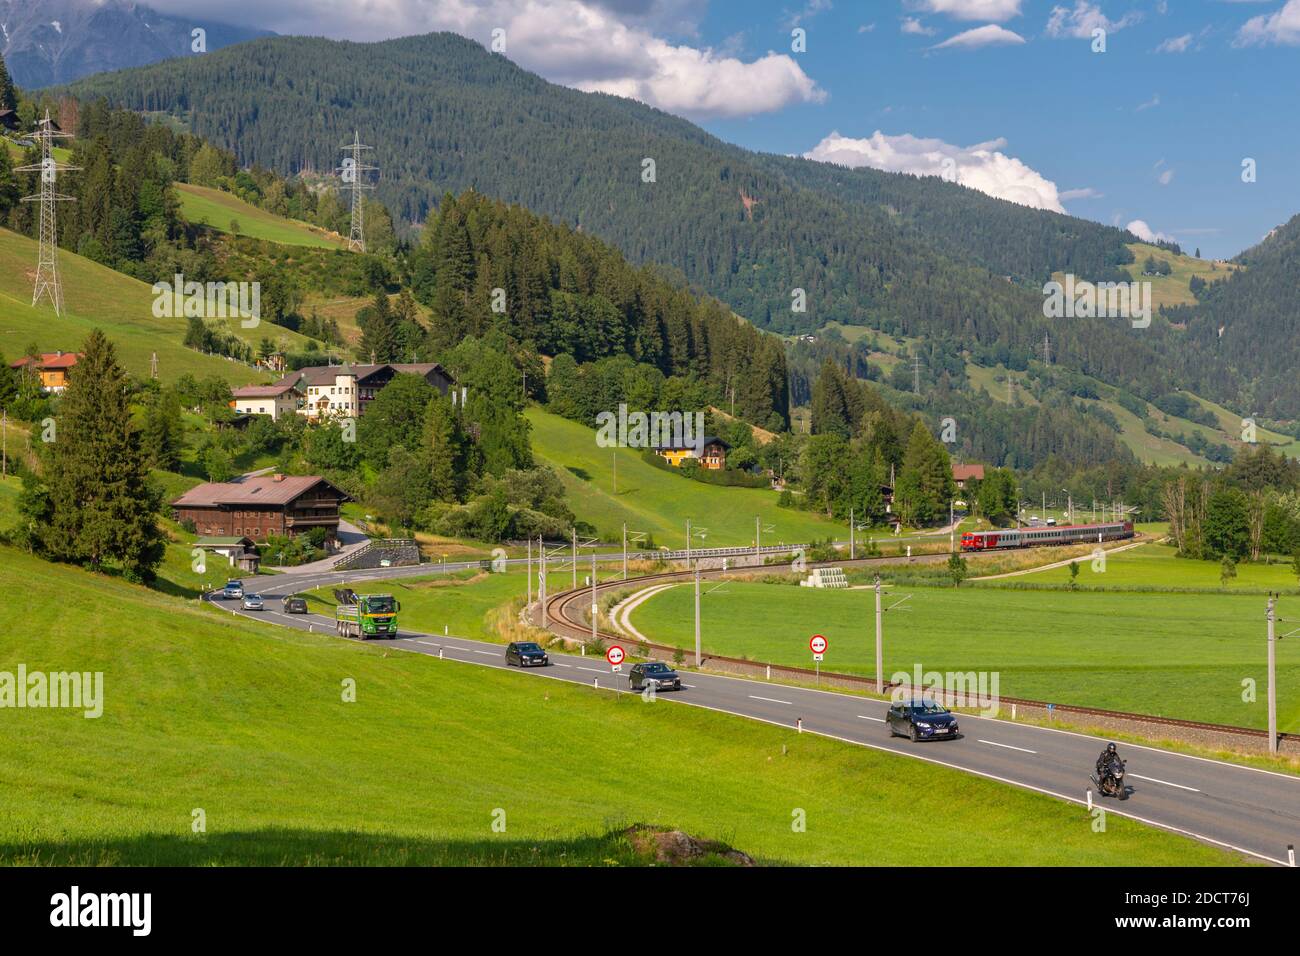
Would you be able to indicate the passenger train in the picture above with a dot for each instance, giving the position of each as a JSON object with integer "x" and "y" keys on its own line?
{"x": 1033, "y": 537}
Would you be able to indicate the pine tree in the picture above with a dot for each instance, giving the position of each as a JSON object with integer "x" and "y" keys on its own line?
{"x": 163, "y": 434}
{"x": 102, "y": 506}
{"x": 443, "y": 449}
{"x": 8, "y": 95}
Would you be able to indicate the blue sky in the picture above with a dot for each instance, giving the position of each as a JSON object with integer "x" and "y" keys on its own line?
{"x": 1007, "y": 96}
{"x": 1158, "y": 135}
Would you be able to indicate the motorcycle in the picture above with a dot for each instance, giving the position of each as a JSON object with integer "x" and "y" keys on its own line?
{"x": 1111, "y": 783}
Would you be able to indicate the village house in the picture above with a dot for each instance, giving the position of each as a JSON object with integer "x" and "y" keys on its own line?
{"x": 51, "y": 367}
{"x": 344, "y": 391}
{"x": 274, "y": 400}
{"x": 961, "y": 474}
{"x": 258, "y": 507}
{"x": 712, "y": 453}
{"x": 239, "y": 552}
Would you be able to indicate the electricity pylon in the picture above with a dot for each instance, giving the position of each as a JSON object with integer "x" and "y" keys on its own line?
{"x": 47, "y": 259}
{"x": 351, "y": 172}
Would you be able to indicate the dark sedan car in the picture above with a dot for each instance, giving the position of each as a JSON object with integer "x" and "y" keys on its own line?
{"x": 526, "y": 654}
{"x": 294, "y": 605}
{"x": 656, "y": 674}
{"x": 921, "y": 720}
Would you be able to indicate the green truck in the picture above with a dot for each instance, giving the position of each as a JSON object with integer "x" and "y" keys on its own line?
{"x": 365, "y": 615}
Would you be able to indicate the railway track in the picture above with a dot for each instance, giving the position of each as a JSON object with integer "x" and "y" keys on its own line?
{"x": 565, "y": 610}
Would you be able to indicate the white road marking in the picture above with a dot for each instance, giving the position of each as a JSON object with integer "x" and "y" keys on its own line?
{"x": 1165, "y": 782}
{"x": 487, "y": 653}
{"x": 771, "y": 700}
{"x": 425, "y": 643}
{"x": 594, "y": 670}
{"x": 879, "y": 720}
{"x": 558, "y": 664}
{"x": 994, "y": 743}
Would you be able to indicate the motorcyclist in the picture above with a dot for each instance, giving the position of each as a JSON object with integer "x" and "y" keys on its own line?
{"x": 1104, "y": 761}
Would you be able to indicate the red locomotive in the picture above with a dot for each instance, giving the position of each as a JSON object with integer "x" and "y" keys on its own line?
{"x": 1033, "y": 537}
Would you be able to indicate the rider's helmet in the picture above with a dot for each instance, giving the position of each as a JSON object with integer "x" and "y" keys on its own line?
{"x": 1110, "y": 748}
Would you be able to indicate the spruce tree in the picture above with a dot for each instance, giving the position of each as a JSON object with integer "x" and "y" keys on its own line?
{"x": 102, "y": 506}
{"x": 8, "y": 95}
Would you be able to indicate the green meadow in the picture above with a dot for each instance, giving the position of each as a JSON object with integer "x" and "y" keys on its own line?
{"x": 1181, "y": 655}
{"x": 659, "y": 502}
{"x": 231, "y": 742}
{"x": 222, "y": 211}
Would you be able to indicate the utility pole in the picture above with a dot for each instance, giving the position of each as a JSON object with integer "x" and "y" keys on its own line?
{"x": 351, "y": 171}
{"x": 541, "y": 576}
{"x": 47, "y": 258}
{"x": 880, "y": 666}
{"x": 688, "y": 544}
{"x": 916, "y": 373}
{"x": 697, "y": 617}
{"x": 575, "y": 559}
{"x": 852, "y": 525}
{"x": 529, "y": 575}
{"x": 1047, "y": 348}
{"x": 1272, "y": 682}
{"x": 594, "y": 615}
{"x": 624, "y": 550}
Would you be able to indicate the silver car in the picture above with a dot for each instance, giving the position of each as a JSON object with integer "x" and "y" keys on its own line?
{"x": 252, "y": 602}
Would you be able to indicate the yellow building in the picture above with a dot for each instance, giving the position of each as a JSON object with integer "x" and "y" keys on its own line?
{"x": 713, "y": 453}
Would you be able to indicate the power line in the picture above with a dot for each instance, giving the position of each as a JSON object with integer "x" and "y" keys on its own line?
{"x": 351, "y": 172}
{"x": 47, "y": 259}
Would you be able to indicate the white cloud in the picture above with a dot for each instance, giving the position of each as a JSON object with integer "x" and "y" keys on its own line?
{"x": 1086, "y": 193}
{"x": 1176, "y": 44}
{"x": 1080, "y": 22}
{"x": 1166, "y": 177}
{"x": 915, "y": 27}
{"x": 1144, "y": 232}
{"x": 998, "y": 11}
{"x": 991, "y": 35}
{"x": 1282, "y": 28}
{"x": 611, "y": 46}
{"x": 983, "y": 166}
{"x": 1149, "y": 104}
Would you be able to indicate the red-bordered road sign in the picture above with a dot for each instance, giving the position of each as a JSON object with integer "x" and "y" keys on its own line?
{"x": 614, "y": 655}
{"x": 817, "y": 643}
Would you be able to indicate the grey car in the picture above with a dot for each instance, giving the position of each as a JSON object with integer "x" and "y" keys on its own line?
{"x": 252, "y": 602}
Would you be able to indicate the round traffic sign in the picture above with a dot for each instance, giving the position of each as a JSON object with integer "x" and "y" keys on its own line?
{"x": 818, "y": 644}
{"x": 614, "y": 655}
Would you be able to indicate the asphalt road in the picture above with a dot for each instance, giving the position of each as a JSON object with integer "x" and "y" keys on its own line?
{"x": 1256, "y": 812}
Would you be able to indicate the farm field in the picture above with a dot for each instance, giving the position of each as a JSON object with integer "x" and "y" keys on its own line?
{"x": 218, "y": 209}
{"x": 97, "y": 297}
{"x": 246, "y": 725}
{"x": 1158, "y": 566}
{"x": 659, "y": 502}
{"x": 1173, "y": 655}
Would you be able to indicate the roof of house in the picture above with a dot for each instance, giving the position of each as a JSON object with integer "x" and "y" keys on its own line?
{"x": 259, "y": 490}
{"x": 224, "y": 542}
{"x": 262, "y": 391}
{"x": 49, "y": 360}
{"x": 326, "y": 374}
{"x": 690, "y": 445}
{"x": 967, "y": 472}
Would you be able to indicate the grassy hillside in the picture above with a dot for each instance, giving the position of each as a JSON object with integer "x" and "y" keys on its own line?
{"x": 246, "y": 724}
{"x": 219, "y": 210}
{"x": 1176, "y": 655}
{"x": 97, "y": 297}
{"x": 656, "y": 501}
{"x": 1174, "y": 289}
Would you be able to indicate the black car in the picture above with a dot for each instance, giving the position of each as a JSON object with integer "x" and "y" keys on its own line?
{"x": 526, "y": 654}
{"x": 294, "y": 605}
{"x": 656, "y": 674}
{"x": 921, "y": 720}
